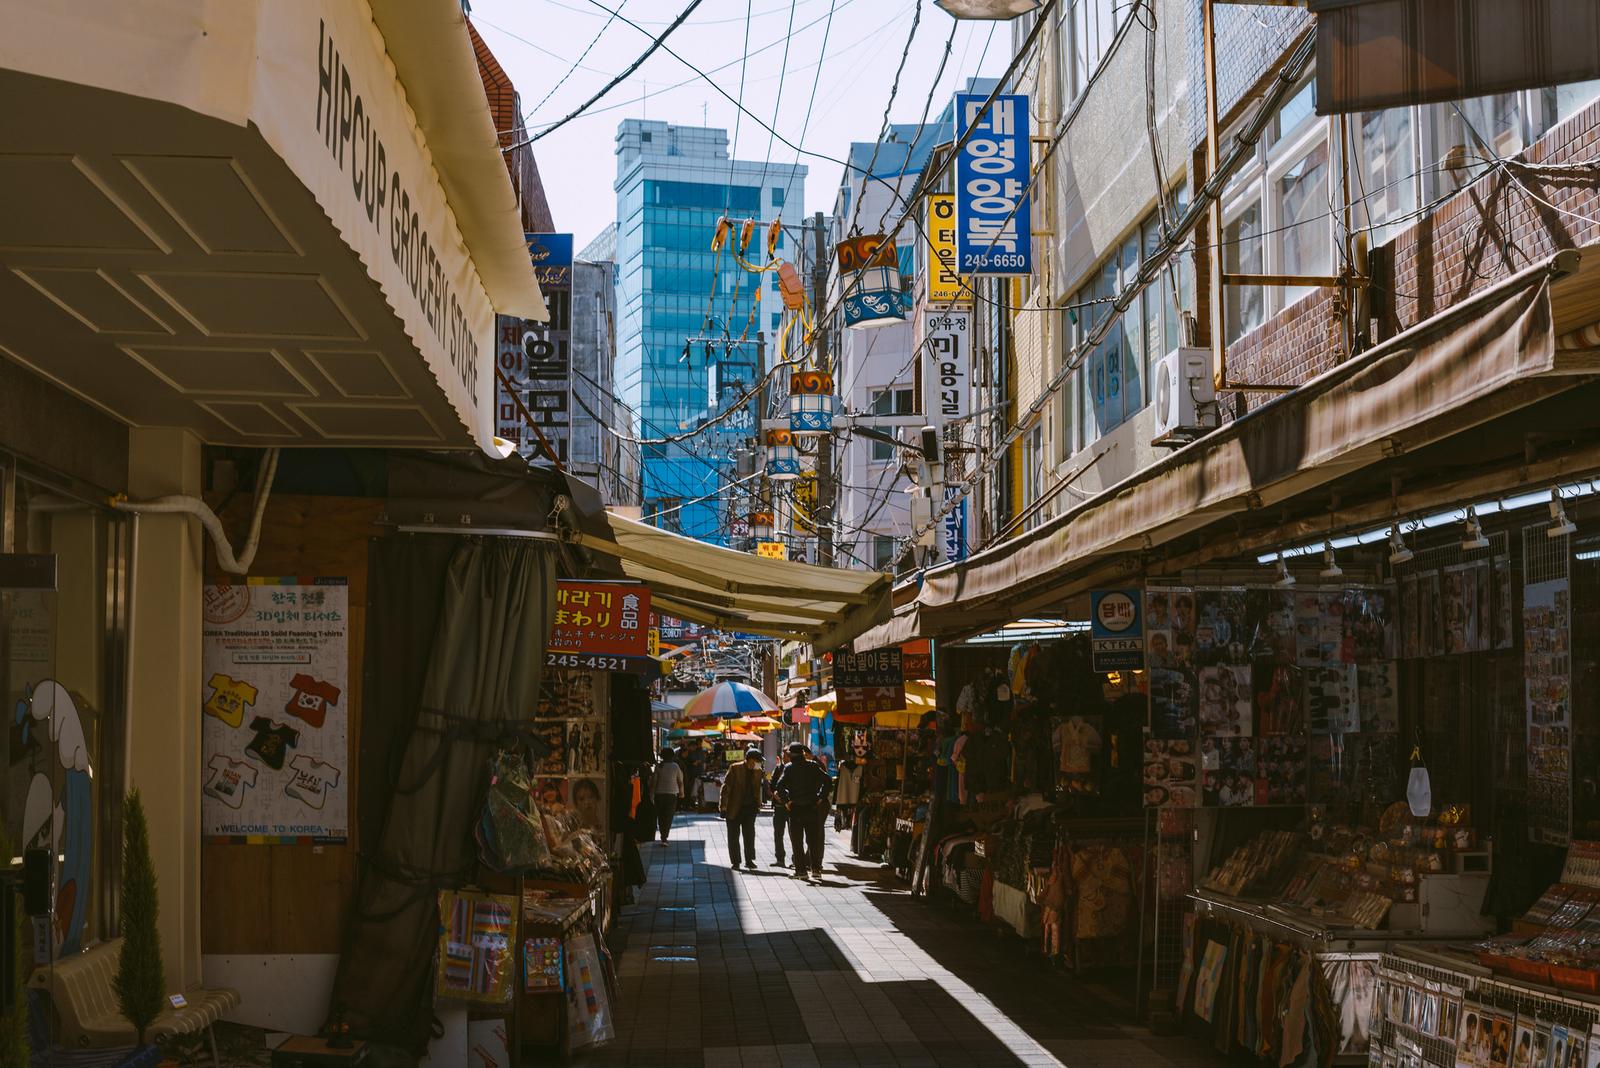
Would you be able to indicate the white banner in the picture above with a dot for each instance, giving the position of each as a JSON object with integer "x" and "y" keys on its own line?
{"x": 275, "y": 666}
{"x": 948, "y": 381}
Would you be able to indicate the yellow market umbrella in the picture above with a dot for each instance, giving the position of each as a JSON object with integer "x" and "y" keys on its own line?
{"x": 919, "y": 702}
{"x": 759, "y": 724}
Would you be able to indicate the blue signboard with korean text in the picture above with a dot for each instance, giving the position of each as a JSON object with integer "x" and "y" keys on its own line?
{"x": 994, "y": 217}
{"x": 1116, "y": 629}
{"x": 953, "y": 527}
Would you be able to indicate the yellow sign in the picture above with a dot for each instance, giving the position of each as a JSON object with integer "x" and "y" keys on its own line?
{"x": 654, "y": 640}
{"x": 805, "y": 504}
{"x": 772, "y": 550}
{"x": 945, "y": 286}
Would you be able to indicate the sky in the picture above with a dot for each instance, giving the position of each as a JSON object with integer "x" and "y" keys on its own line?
{"x": 537, "y": 42}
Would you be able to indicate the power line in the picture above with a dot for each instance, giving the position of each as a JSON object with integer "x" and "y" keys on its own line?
{"x": 738, "y": 119}
{"x": 777, "y": 102}
{"x": 811, "y": 102}
{"x": 883, "y": 133}
{"x": 658, "y": 42}
{"x": 577, "y": 62}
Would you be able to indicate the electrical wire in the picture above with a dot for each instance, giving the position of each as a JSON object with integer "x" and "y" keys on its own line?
{"x": 777, "y": 100}
{"x": 811, "y": 101}
{"x": 577, "y": 62}
{"x": 738, "y": 118}
{"x": 658, "y": 42}
{"x": 894, "y": 91}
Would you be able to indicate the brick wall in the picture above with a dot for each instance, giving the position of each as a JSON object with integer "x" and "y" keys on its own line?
{"x": 1485, "y": 233}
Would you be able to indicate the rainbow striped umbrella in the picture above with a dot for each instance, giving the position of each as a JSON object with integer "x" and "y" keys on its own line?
{"x": 727, "y": 700}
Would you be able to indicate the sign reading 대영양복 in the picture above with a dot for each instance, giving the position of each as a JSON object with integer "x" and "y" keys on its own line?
{"x": 994, "y": 217}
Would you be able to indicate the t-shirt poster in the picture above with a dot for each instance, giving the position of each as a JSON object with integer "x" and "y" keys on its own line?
{"x": 274, "y": 679}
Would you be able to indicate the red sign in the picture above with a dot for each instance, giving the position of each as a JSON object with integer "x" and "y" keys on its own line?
{"x": 606, "y": 618}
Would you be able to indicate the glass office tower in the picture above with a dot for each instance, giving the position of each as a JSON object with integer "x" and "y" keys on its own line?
{"x": 691, "y": 338}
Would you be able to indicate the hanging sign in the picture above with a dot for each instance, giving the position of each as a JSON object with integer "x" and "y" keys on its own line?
{"x": 601, "y": 626}
{"x": 773, "y": 550}
{"x": 944, "y": 283}
{"x": 949, "y": 377}
{"x": 1116, "y": 630}
{"x": 873, "y": 681}
{"x": 953, "y": 527}
{"x": 869, "y": 270}
{"x": 1547, "y": 669}
{"x": 994, "y": 217}
{"x": 536, "y": 358}
{"x": 274, "y": 673}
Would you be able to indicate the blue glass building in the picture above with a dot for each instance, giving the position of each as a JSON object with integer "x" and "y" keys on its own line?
{"x": 673, "y": 184}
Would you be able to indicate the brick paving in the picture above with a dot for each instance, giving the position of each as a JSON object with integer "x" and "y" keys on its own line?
{"x": 721, "y": 969}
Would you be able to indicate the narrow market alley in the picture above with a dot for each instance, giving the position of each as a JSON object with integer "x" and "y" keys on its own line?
{"x": 725, "y": 969}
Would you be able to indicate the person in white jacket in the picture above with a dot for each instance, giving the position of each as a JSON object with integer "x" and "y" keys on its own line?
{"x": 846, "y": 794}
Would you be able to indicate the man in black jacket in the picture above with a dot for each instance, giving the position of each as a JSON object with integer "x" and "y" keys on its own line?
{"x": 804, "y": 791}
{"x": 780, "y": 815}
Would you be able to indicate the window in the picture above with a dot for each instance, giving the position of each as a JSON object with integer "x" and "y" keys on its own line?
{"x": 1085, "y": 30}
{"x": 777, "y": 196}
{"x": 1033, "y": 473}
{"x": 894, "y": 400}
{"x": 883, "y": 552}
{"x": 1384, "y": 182}
{"x": 777, "y": 320}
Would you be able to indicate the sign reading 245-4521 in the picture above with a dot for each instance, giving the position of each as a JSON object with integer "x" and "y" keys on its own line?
{"x": 994, "y": 219}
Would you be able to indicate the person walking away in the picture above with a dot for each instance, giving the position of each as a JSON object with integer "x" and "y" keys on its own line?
{"x": 740, "y": 803}
{"x": 780, "y": 814}
{"x": 668, "y": 790}
{"x": 803, "y": 790}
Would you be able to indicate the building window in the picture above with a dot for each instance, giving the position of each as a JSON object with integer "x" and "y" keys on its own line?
{"x": 883, "y": 552}
{"x": 1085, "y": 30}
{"x": 777, "y": 320}
{"x": 1032, "y": 475}
{"x": 777, "y": 196}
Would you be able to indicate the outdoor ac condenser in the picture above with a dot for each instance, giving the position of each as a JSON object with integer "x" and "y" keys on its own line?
{"x": 1183, "y": 398}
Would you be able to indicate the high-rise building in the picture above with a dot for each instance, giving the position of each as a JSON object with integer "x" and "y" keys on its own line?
{"x": 695, "y": 329}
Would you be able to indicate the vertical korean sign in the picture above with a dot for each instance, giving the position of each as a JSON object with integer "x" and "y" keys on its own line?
{"x": 275, "y": 701}
{"x": 949, "y": 377}
{"x": 944, "y": 283}
{"x": 536, "y": 358}
{"x": 953, "y": 527}
{"x": 994, "y": 217}
{"x": 1116, "y": 629}
{"x": 873, "y": 681}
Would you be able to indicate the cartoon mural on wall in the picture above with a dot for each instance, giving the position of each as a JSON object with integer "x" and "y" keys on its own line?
{"x": 61, "y": 821}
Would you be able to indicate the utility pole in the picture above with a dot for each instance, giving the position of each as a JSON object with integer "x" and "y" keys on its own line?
{"x": 825, "y": 489}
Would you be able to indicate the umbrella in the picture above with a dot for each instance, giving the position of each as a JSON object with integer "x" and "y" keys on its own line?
{"x": 692, "y": 723}
{"x": 756, "y": 723}
{"x": 920, "y": 700}
{"x": 692, "y": 734}
{"x": 727, "y": 700}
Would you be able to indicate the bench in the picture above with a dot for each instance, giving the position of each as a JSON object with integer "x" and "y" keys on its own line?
{"x": 84, "y": 1000}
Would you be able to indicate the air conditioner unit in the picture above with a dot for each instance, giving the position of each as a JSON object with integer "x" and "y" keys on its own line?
{"x": 1183, "y": 397}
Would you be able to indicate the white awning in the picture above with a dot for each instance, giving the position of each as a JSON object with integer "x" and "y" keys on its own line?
{"x": 737, "y": 591}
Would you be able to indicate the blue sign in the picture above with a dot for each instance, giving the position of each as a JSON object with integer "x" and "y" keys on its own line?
{"x": 552, "y": 258}
{"x": 994, "y": 217}
{"x": 1116, "y": 629}
{"x": 954, "y": 527}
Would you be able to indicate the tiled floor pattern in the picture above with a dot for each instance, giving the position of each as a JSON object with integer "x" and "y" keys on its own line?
{"x": 724, "y": 969}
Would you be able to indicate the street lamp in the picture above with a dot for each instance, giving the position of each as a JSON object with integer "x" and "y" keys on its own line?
{"x": 987, "y": 9}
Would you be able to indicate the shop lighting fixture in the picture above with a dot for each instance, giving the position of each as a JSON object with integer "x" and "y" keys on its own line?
{"x": 1560, "y": 525}
{"x": 1474, "y": 539}
{"x": 1284, "y": 578}
{"x": 1568, "y": 492}
{"x": 1398, "y": 553}
{"x": 1330, "y": 565}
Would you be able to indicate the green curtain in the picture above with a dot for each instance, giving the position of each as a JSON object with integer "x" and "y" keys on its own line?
{"x": 482, "y": 677}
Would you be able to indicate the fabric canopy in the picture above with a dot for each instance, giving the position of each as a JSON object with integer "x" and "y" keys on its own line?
{"x": 738, "y": 591}
{"x": 1484, "y": 358}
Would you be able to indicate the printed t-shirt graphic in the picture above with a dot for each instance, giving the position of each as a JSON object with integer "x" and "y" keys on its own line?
{"x": 311, "y": 699}
{"x": 230, "y": 779}
{"x": 229, "y": 698}
{"x": 312, "y": 780}
{"x": 272, "y": 742}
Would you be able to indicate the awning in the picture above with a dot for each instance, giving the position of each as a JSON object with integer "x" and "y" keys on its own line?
{"x": 272, "y": 222}
{"x": 738, "y": 591}
{"x": 1485, "y": 358}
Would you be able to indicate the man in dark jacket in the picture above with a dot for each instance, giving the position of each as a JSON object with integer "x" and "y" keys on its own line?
{"x": 780, "y": 815}
{"x": 803, "y": 791}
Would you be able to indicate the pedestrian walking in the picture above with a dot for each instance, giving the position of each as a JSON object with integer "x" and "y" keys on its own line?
{"x": 803, "y": 791}
{"x": 740, "y": 803}
{"x": 667, "y": 786}
{"x": 780, "y": 814}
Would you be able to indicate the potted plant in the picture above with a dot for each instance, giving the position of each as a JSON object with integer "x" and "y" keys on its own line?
{"x": 140, "y": 983}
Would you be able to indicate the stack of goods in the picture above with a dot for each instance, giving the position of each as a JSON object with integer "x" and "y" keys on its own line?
{"x": 1558, "y": 940}
{"x": 1260, "y": 867}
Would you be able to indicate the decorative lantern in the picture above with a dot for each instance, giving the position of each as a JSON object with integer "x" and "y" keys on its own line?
{"x": 761, "y": 526}
{"x": 810, "y": 403}
{"x": 783, "y": 460}
{"x": 869, "y": 270}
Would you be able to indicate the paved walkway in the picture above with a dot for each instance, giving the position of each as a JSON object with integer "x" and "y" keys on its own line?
{"x": 759, "y": 968}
